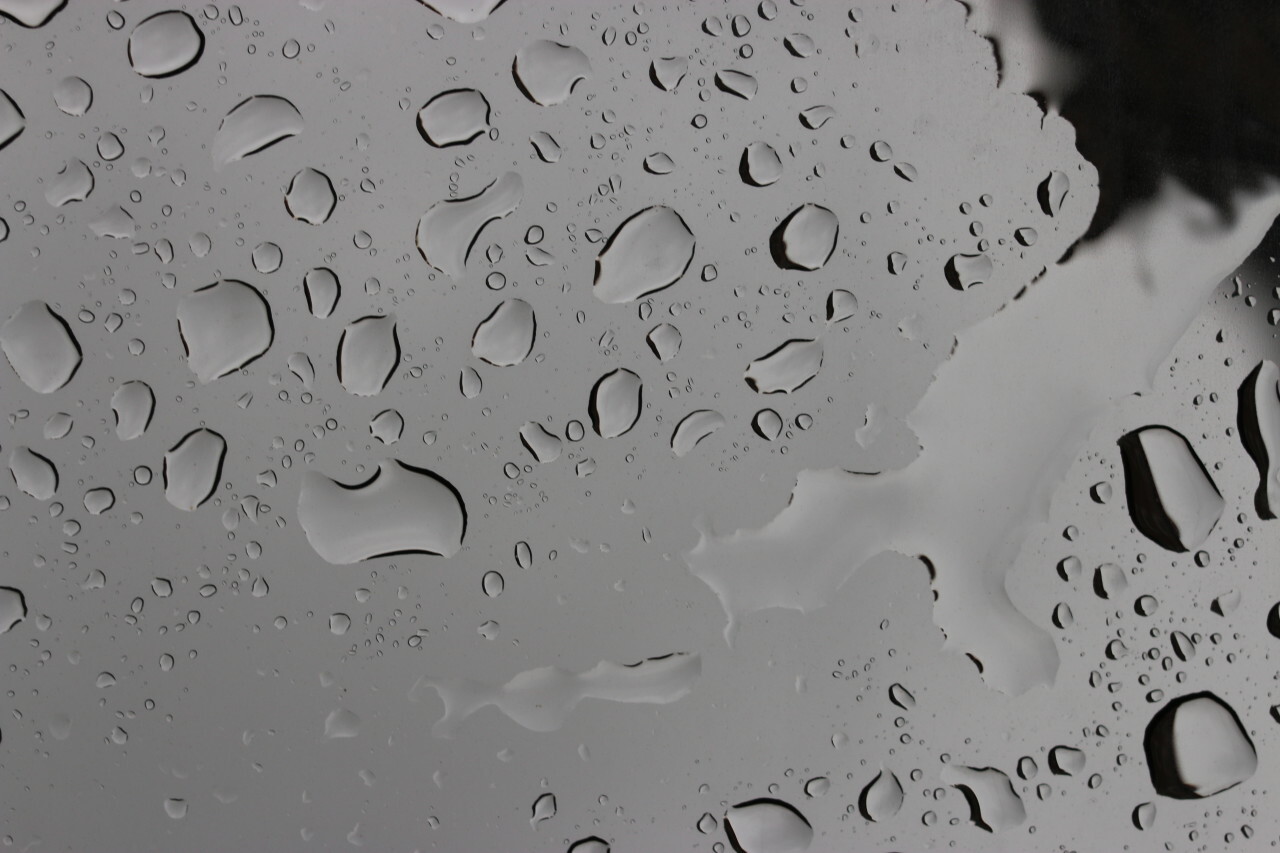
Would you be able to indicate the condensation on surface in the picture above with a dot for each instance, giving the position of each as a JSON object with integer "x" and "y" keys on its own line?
{"x": 479, "y": 425}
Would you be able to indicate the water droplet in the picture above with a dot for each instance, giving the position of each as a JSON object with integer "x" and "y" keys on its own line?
{"x": 664, "y": 339}
{"x": 544, "y": 446}
{"x": 13, "y": 608}
{"x": 33, "y": 473}
{"x": 368, "y": 353}
{"x": 1053, "y": 192}
{"x": 882, "y": 798}
{"x": 322, "y": 290}
{"x": 667, "y": 72}
{"x": 224, "y": 327}
{"x": 341, "y": 723}
{"x": 12, "y": 121}
{"x": 1196, "y": 747}
{"x": 40, "y": 347}
{"x": 648, "y": 252}
{"x": 73, "y": 96}
{"x": 760, "y": 165}
{"x": 965, "y": 271}
{"x": 767, "y": 826}
{"x": 1066, "y": 760}
{"x": 454, "y": 117}
{"x": 448, "y": 231}
{"x": 993, "y": 804}
{"x": 193, "y": 468}
{"x": 1172, "y": 499}
{"x": 693, "y": 428}
{"x": 253, "y": 125}
{"x": 506, "y": 336}
{"x": 738, "y": 83}
{"x": 768, "y": 424}
{"x": 310, "y": 197}
{"x": 546, "y": 72}
{"x": 165, "y": 44}
{"x": 788, "y": 368}
{"x": 615, "y": 403}
{"x": 493, "y": 583}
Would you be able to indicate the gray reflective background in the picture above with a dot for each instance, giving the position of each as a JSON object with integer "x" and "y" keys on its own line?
{"x": 271, "y": 669}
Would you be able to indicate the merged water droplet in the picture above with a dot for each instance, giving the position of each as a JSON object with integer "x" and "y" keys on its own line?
{"x": 255, "y": 124}
{"x": 368, "y": 353}
{"x": 544, "y": 446}
{"x": 40, "y": 347}
{"x": 1052, "y": 192}
{"x": 693, "y": 428}
{"x": 993, "y": 803}
{"x": 400, "y": 509}
{"x": 165, "y": 44}
{"x": 547, "y": 71}
{"x": 450, "y": 228}
{"x": 454, "y": 117}
{"x": 193, "y": 468}
{"x": 648, "y": 252}
{"x": 505, "y": 337}
{"x": 224, "y": 326}
{"x": 74, "y": 182}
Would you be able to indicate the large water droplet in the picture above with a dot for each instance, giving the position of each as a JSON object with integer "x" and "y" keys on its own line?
{"x": 368, "y": 353}
{"x": 547, "y": 72}
{"x": 400, "y": 509}
{"x": 693, "y": 428}
{"x": 505, "y": 337}
{"x": 40, "y": 347}
{"x": 12, "y": 121}
{"x": 13, "y": 608}
{"x": 165, "y": 44}
{"x": 322, "y": 290}
{"x": 541, "y": 699}
{"x": 455, "y": 117}
{"x": 450, "y": 228}
{"x": 1196, "y": 747}
{"x": 805, "y": 239}
{"x": 193, "y": 468}
{"x": 993, "y": 804}
{"x": 1259, "y": 421}
{"x": 133, "y": 404}
{"x": 615, "y": 403}
{"x": 310, "y": 197}
{"x": 544, "y": 446}
{"x": 224, "y": 326}
{"x": 882, "y": 798}
{"x": 648, "y": 252}
{"x": 33, "y": 473}
{"x": 964, "y": 271}
{"x": 255, "y": 124}
{"x": 787, "y": 368}
{"x": 1172, "y": 499}
{"x": 30, "y": 13}
{"x": 463, "y": 11}
{"x": 767, "y": 826}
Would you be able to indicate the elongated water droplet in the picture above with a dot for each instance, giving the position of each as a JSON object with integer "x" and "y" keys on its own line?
{"x": 1259, "y": 421}
{"x": 193, "y": 468}
{"x": 805, "y": 239}
{"x": 368, "y": 353}
{"x": 693, "y": 428}
{"x": 33, "y": 473}
{"x": 544, "y": 446}
{"x": 13, "y": 608}
{"x": 615, "y": 403}
{"x": 255, "y": 124}
{"x": 455, "y": 117}
{"x": 322, "y": 290}
{"x": 12, "y": 121}
{"x": 767, "y": 826}
{"x": 993, "y": 803}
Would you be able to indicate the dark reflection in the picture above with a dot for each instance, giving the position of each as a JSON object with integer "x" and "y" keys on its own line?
{"x": 1185, "y": 88}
